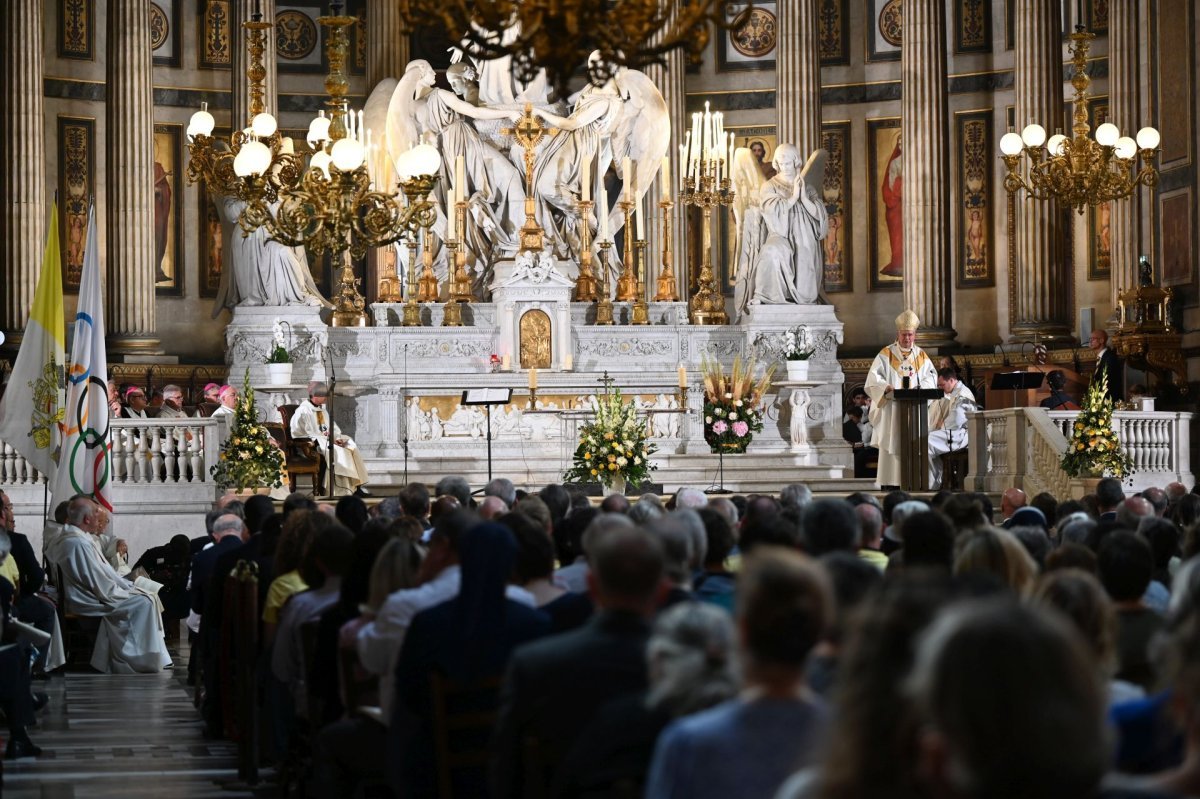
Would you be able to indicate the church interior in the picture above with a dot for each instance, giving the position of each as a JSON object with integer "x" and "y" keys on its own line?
{"x": 382, "y": 254}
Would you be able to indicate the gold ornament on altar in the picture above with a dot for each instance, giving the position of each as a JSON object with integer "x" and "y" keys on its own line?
{"x": 1078, "y": 170}
{"x": 529, "y": 132}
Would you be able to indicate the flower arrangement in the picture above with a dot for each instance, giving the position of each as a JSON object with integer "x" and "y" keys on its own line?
{"x": 790, "y": 345}
{"x": 613, "y": 447}
{"x": 733, "y": 404}
{"x": 249, "y": 458}
{"x": 279, "y": 340}
{"x": 1093, "y": 449}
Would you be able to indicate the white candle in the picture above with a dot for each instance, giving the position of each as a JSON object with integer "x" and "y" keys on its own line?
{"x": 358, "y": 128}
{"x": 640, "y": 211}
{"x": 718, "y": 162}
{"x": 665, "y": 178}
{"x": 707, "y": 153}
{"x": 506, "y": 362}
{"x": 627, "y": 177}
{"x": 585, "y": 181}
{"x": 568, "y": 362}
{"x": 451, "y": 215}
{"x": 603, "y": 212}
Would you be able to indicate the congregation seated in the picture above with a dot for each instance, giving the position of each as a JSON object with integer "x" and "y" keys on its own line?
{"x": 25, "y": 573}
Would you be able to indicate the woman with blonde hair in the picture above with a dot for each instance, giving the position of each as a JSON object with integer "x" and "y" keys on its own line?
{"x": 991, "y": 552}
{"x": 395, "y": 569}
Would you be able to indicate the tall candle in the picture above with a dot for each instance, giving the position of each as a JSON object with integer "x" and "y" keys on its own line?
{"x": 665, "y": 179}
{"x": 358, "y": 129}
{"x": 460, "y": 180}
{"x": 627, "y": 177}
{"x": 682, "y": 376}
{"x": 533, "y": 379}
{"x": 602, "y": 210}
{"x": 707, "y": 151}
{"x": 585, "y": 181}
{"x": 451, "y": 215}
{"x": 567, "y": 363}
{"x": 506, "y": 362}
{"x": 640, "y": 211}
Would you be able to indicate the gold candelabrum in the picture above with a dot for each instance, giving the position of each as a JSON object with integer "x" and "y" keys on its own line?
{"x": 627, "y": 283}
{"x": 1078, "y": 170}
{"x": 388, "y": 288}
{"x": 604, "y": 308}
{"x": 668, "y": 289}
{"x": 585, "y": 284}
{"x": 412, "y": 309}
{"x": 707, "y": 305}
{"x": 427, "y": 285}
{"x": 640, "y": 312}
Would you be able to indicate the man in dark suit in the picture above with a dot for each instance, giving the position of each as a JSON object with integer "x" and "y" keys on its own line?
{"x": 1107, "y": 362}
{"x": 1109, "y": 495}
{"x": 227, "y": 533}
{"x": 28, "y": 604}
{"x": 555, "y": 687}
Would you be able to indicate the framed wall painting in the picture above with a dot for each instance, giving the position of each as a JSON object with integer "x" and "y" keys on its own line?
{"x": 166, "y": 36}
{"x": 76, "y": 29}
{"x": 1096, "y": 14}
{"x": 212, "y": 245}
{"x": 751, "y": 45}
{"x": 215, "y": 30}
{"x": 885, "y": 206}
{"x": 76, "y": 189}
{"x": 299, "y": 43}
{"x": 1173, "y": 81}
{"x": 972, "y": 26}
{"x": 974, "y": 219}
{"x": 1099, "y": 217}
{"x": 833, "y": 29}
{"x": 168, "y": 209}
{"x": 1176, "y": 256}
{"x": 883, "y": 30}
{"x": 839, "y": 265}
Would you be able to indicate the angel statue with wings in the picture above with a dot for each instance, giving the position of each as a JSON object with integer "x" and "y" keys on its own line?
{"x": 782, "y": 230}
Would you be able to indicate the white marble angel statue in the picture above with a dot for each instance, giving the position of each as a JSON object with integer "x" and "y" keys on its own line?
{"x": 747, "y": 179}
{"x": 788, "y": 265}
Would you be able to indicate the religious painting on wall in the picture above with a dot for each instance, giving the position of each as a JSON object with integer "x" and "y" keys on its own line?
{"x": 1173, "y": 78}
{"x": 839, "y": 266}
{"x": 215, "y": 26}
{"x": 972, "y": 26}
{"x": 883, "y": 34}
{"x": 168, "y": 209}
{"x": 1175, "y": 222}
{"x": 1097, "y": 16}
{"x": 976, "y": 250}
{"x": 76, "y": 21}
{"x": 76, "y": 188}
{"x": 1099, "y": 265}
{"x": 760, "y": 141}
{"x": 298, "y": 36}
{"x": 212, "y": 245}
{"x": 885, "y": 222}
{"x": 165, "y": 33}
{"x": 833, "y": 30}
{"x": 752, "y": 44}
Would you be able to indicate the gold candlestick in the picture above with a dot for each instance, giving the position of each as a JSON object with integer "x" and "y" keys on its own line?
{"x": 460, "y": 285}
{"x": 627, "y": 281}
{"x": 604, "y": 308}
{"x": 707, "y": 305}
{"x": 427, "y": 286}
{"x": 412, "y": 311}
{"x": 389, "y": 281}
{"x": 452, "y": 310}
{"x": 668, "y": 290}
{"x": 585, "y": 284}
{"x": 640, "y": 313}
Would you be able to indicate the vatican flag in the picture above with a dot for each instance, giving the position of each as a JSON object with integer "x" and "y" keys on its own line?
{"x": 31, "y": 410}
{"x": 86, "y": 463}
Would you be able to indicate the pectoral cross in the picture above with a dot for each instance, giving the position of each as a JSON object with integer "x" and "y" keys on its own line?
{"x": 529, "y": 132}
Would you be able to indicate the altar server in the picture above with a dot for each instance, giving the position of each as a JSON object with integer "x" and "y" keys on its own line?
{"x": 311, "y": 420}
{"x": 948, "y": 422}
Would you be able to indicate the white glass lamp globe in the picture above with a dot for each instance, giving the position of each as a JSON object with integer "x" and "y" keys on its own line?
{"x": 420, "y": 160}
{"x": 318, "y": 129}
{"x": 1126, "y": 147}
{"x": 1054, "y": 146}
{"x": 1034, "y": 135}
{"x": 348, "y": 154}
{"x": 1148, "y": 139}
{"x": 1011, "y": 144}
{"x": 264, "y": 125}
{"x": 1107, "y": 135}
{"x": 253, "y": 159}
{"x": 202, "y": 122}
{"x": 320, "y": 160}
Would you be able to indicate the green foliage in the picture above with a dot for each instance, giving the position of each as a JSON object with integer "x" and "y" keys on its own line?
{"x": 613, "y": 444}
{"x": 249, "y": 458}
{"x": 1094, "y": 450}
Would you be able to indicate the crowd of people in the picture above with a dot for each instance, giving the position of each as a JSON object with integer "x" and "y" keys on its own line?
{"x": 532, "y": 643}
{"x": 129, "y": 401}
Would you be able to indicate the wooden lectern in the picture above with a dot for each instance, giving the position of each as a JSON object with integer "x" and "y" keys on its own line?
{"x": 913, "y": 419}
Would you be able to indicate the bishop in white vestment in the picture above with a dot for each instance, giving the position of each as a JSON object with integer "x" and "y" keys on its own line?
{"x": 311, "y": 420}
{"x": 130, "y": 638}
{"x": 948, "y": 422}
{"x": 901, "y": 364}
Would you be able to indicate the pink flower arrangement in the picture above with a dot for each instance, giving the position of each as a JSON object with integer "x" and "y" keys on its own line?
{"x": 720, "y": 427}
{"x": 740, "y": 428}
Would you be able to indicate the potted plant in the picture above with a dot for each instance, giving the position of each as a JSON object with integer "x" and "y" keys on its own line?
{"x": 793, "y": 347}
{"x": 733, "y": 404}
{"x": 249, "y": 459}
{"x": 614, "y": 449}
{"x": 1093, "y": 450}
{"x": 279, "y": 361}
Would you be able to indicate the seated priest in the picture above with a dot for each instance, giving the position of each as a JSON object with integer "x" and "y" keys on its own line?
{"x": 948, "y": 422}
{"x": 130, "y": 638}
{"x": 311, "y": 420}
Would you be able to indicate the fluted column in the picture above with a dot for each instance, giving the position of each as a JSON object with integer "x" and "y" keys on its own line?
{"x": 387, "y": 47}
{"x": 243, "y": 12}
{"x": 670, "y": 81}
{"x": 924, "y": 134}
{"x": 1124, "y": 110}
{"x": 23, "y": 154}
{"x": 1043, "y": 285}
{"x": 798, "y": 75}
{"x": 129, "y": 216}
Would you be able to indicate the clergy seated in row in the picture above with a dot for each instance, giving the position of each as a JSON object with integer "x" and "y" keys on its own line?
{"x": 948, "y": 421}
{"x": 130, "y": 637}
{"x": 900, "y": 365}
{"x": 228, "y": 399}
{"x": 311, "y": 421}
{"x": 114, "y": 549}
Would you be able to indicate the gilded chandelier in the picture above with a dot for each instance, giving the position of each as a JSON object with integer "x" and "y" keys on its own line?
{"x": 1078, "y": 170}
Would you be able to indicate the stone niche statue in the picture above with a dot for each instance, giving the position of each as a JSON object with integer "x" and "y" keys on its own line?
{"x": 786, "y": 221}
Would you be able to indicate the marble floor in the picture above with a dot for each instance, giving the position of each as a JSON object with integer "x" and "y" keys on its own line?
{"x": 122, "y": 736}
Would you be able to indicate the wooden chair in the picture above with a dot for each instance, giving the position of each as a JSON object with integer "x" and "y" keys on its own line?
{"x": 461, "y": 727}
{"x": 78, "y": 632}
{"x": 301, "y": 454}
{"x": 954, "y": 469}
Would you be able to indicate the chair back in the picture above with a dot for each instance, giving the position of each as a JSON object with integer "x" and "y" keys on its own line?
{"x": 463, "y": 718}
{"x": 286, "y": 412}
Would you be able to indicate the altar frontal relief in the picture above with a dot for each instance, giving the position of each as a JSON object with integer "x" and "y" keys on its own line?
{"x": 886, "y": 205}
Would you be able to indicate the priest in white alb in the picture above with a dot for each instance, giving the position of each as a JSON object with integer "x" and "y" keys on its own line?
{"x": 948, "y": 422}
{"x": 311, "y": 420}
{"x": 130, "y": 638}
{"x": 900, "y": 365}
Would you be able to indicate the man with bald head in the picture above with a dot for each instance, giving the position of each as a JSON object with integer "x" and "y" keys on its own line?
{"x": 311, "y": 420}
{"x": 1131, "y": 512}
{"x": 1011, "y": 501}
{"x": 228, "y": 533}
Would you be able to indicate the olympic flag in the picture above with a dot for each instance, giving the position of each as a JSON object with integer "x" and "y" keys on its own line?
{"x": 85, "y": 466}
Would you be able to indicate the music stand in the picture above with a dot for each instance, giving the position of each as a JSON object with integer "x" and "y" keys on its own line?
{"x": 487, "y": 397}
{"x": 1016, "y": 381}
{"x": 913, "y": 420}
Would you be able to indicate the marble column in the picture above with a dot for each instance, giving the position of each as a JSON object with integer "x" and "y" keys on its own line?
{"x": 925, "y": 134}
{"x": 129, "y": 215}
{"x": 387, "y": 47}
{"x": 1124, "y": 111}
{"x": 798, "y": 75}
{"x": 243, "y": 12}
{"x": 1043, "y": 285}
{"x": 670, "y": 81}
{"x": 23, "y": 153}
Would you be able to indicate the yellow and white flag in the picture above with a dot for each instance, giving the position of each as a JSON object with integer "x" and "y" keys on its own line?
{"x": 32, "y": 407}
